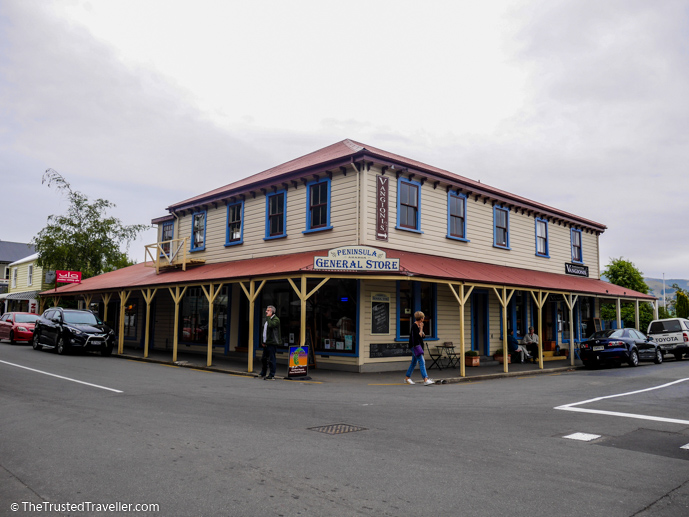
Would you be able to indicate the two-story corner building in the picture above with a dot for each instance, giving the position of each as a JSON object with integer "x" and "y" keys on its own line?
{"x": 348, "y": 242}
{"x": 27, "y": 280}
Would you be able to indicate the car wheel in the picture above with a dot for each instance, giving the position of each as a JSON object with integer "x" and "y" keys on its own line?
{"x": 659, "y": 357}
{"x": 589, "y": 365}
{"x": 61, "y": 348}
{"x": 633, "y": 358}
{"x": 106, "y": 351}
{"x": 12, "y": 341}
{"x": 35, "y": 343}
{"x": 678, "y": 357}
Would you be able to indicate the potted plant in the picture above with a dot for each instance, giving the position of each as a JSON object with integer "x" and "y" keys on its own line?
{"x": 497, "y": 356}
{"x": 471, "y": 358}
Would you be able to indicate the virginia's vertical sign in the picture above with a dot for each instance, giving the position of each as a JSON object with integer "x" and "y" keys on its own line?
{"x": 382, "y": 191}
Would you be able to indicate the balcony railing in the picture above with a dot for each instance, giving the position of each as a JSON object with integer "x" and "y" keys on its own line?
{"x": 170, "y": 254}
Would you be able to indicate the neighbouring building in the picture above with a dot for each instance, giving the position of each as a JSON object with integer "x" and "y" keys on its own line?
{"x": 348, "y": 242}
{"x": 10, "y": 252}
{"x": 27, "y": 280}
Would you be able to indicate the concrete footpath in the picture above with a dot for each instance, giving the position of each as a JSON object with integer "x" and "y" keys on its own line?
{"x": 488, "y": 369}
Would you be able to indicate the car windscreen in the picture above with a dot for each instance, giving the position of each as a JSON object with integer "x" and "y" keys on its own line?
{"x": 26, "y": 318}
{"x": 80, "y": 318}
{"x": 660, "y": 327}
{"x": 604, "y": 334}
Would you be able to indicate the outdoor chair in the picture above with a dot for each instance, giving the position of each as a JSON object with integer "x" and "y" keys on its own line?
{"x": 435, "y": 355}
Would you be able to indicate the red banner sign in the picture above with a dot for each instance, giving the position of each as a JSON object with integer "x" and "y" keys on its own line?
{"x": 68, "y": 277}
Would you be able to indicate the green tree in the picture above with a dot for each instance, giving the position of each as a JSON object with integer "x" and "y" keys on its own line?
{"x": 624, "y": 273}
{"x": 84, "y": 239}
{"x": 681, "y": 302}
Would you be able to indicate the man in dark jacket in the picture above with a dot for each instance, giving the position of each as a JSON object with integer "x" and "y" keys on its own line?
{"x": 270, "y": 339}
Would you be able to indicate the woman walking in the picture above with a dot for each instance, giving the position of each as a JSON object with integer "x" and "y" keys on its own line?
{"x": 416, "y": 345}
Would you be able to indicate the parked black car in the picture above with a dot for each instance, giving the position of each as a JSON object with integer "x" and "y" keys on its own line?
{"x": 616, "y": 346}
{"x": 69, "y": 329}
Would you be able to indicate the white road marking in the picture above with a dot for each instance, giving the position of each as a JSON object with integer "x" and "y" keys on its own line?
{"x": 584, "y": 437}
{"x": 570, "y": 407}
{"x": 685, "y": 446}
{"x": 61, "y": 377}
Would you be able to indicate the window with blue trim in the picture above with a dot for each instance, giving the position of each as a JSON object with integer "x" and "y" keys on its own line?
{"x": 276, "y": 215}
{"x": 408, "y": 205}
{"x": 576, "y": 246}
{"x": 318, "y": 205}
{"x": 166, "y": 235}
{"x": 456, "y": 216}
{"x": 542, "y": 238}
{"x": 198, "y": 231}
{"x": 501, "y": 227}
{"x": 412, "y": 297}
{"x": 235, "y": 229}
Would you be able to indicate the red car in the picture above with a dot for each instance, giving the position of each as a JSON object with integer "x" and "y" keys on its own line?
{"x": 17, "y": 326}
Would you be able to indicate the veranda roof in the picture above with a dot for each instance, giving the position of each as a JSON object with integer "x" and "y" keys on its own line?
{"x": 412, "y": 265}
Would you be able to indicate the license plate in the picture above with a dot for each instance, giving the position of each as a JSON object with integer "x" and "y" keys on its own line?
{"x": 96, "y": 342}
{"x": 598, "y": 348}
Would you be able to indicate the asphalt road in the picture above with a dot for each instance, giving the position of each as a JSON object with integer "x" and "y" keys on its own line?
{"x": 200, "y": 443}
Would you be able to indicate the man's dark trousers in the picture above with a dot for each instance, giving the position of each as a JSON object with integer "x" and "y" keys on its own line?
{"x": 268, "y": 358}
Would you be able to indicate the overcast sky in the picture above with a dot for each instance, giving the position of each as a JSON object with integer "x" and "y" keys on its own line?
{"x": 581, "y": 105}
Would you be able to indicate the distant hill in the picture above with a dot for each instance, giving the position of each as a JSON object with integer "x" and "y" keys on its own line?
{"x": 656, "y": 286}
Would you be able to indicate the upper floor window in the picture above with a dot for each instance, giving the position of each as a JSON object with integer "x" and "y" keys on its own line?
{"x": 276, "y": 214}
{"x": 14, "y": 277}
{"x": 542, "y": 238}
{"x": 408, "y": 205}
{"x": 456, "y": 216}
{"x": 501, "y": 227}
{"x": 576, "y": 246}
{"x": 318, "y": 205}
{"x": 198, "y": 231}
{"x": 29, "y": 278}
{"x": 235, "y": 229}
{"x": 166, "y": 235}
{"x": 7, "y": 273}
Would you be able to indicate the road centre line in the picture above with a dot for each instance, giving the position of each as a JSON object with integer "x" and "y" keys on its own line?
{"x": 61, "y": 377}
{"x": 570, "y": 407}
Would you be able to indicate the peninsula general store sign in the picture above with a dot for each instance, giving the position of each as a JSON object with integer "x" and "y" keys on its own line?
{"x": 356, "y": 258}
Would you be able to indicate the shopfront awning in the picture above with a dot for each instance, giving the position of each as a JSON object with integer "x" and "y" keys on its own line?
{"x": 26, "y": 295}
{"x": 412, "y": 266}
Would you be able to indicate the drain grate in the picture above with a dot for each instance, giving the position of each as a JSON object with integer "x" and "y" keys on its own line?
{"x": 337, "y": 429}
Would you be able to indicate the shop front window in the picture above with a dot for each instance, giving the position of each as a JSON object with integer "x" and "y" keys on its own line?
{"x": 130, "y": 320}
{"x": 194, "y": 320}
{"x": 331, "y": 314}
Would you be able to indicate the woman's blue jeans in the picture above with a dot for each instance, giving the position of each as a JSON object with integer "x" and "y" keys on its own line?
{"x": 422, "y": 366}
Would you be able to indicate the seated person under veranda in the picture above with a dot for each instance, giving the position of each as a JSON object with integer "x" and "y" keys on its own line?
{"x": 514, "y": 347}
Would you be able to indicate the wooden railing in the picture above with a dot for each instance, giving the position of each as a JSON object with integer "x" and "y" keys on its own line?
{"x": 169, "y": 254}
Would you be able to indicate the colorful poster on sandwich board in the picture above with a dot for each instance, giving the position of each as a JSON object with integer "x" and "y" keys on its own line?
{"x": 298, "y": 362}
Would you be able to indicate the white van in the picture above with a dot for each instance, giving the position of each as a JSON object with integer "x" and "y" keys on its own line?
{"x": 672, "y": 335}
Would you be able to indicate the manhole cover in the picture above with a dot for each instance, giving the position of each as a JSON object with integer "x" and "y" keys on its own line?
{"x": 337, "y": 429}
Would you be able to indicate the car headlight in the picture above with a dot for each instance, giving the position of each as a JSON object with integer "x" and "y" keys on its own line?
{"x": 76, "y": 332}
{"x": 22, "y": 329}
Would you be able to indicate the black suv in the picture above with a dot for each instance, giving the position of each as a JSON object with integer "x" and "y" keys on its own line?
{"x": 69, "y": 329}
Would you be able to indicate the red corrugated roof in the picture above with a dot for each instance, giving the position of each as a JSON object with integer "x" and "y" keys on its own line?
{"x": 411, "y": 264}
{"x": 349, "y": 149}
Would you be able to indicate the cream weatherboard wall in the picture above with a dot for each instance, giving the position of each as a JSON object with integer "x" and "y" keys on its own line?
{"x": 343, "y": 219}
{"x": 479, "y": 232}
{"x": 22, "y": 278}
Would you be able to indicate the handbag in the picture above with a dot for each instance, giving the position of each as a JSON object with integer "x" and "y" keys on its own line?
{"x": 417, "y": 351}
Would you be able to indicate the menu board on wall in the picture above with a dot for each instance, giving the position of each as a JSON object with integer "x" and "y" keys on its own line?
{"x": 400, "y": 349}
{"x": 380, "y": 313}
